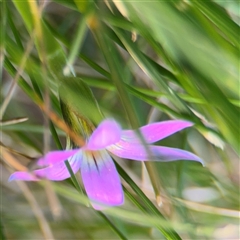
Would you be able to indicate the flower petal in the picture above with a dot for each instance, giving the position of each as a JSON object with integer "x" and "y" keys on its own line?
{"x": 101, "y": 180}
{"x": 22, "y": 176}
{"x": 59, "y": 171}
{"x": 107, "y": 133}
{"x": 54, "y": 157}
{"x": 56, "y": 172}
{"x": 155, "y": 131}
{"x": 155, "y": 153}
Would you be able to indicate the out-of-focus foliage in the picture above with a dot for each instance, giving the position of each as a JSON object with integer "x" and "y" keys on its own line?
{"x": 144, "y": 61}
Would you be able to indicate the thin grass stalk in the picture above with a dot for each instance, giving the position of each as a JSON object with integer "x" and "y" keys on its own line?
{"x": 16, "y": 78}
{"x": 46, "y": 230}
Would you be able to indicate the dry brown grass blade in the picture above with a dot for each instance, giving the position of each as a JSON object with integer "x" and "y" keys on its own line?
{"x": 199, "y": 207}
{"x": 13, "y": 121}
{"x": 46, "y": 230}
{"x": 61, "y": 124}
{"x": 10, "y": 160}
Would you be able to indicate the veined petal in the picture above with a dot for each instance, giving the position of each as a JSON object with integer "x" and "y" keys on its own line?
{"x": 55, "y": 172}
{"x": 101, "y": 180}
{"x": 152, "y": 153}
{"x": 107, "y": 133}
{"x": 22, "y": 176}
{"x": 155, "y": 131}
{"x": 59, "y": 171}
{"x": 54, "y": 157}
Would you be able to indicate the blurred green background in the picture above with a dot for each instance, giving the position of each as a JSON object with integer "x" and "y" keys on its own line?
{"x": 145, "y": 61}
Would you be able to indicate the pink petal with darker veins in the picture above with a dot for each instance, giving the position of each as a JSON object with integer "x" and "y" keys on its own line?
{"x": 152, "y": 153}
{"x": 59, "y": 171}
{"x": 107, "y": 133}
{"x": 56, "y": 172}
{"x": 154, "y": 132}
{"x": 101, "y": 180}
{"x": 54, "y": 157}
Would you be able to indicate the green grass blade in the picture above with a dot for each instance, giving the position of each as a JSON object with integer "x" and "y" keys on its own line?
{"x": 169, "y": 234}
{"x": 76, "y": 45}
{"x": 114, "y": 228}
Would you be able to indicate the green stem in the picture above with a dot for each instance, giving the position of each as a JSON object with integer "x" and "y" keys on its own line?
{"x": 114, "y": 228}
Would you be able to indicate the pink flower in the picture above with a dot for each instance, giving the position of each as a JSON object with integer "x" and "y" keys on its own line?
{"x": 99, "y": 174}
